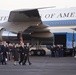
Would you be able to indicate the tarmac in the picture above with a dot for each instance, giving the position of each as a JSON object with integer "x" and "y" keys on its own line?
{"x": 42, "y": 66}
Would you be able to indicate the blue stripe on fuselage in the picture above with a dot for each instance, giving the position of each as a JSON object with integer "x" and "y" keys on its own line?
{"x": 60, "y": 23}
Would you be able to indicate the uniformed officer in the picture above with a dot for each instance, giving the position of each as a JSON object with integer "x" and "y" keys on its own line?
{"x": 26, "y": 57}
{"x": 21, "y": 52}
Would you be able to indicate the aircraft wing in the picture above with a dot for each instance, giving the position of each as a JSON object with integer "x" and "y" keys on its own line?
{"x": 20, "y": 20}
{"x": 24, "y": 16}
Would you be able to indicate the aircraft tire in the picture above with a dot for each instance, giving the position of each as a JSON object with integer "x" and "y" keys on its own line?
{"x": 33, "y": 52}
{"x": 38, "y": 52}
{"x": 43, "y": 53}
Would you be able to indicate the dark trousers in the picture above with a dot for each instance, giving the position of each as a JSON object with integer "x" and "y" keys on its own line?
{"x": 3, "y": 59}
{"x": 26, "y": 58}
{"x": 21, "y": 58}
{"x": 0, "y": 58}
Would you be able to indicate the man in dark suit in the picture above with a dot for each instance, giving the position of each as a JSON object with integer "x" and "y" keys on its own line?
{"x": 4, "y": 50}
{"x": 0, "y": 54}
{"x": 26, "y": 54}
{"x": 21, "y": 51}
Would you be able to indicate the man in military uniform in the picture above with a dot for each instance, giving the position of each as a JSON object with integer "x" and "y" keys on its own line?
{"x": 26, "y": 53}
{"x": 21, "y": 52}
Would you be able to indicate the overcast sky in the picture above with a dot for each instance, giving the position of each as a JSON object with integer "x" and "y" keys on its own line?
{"x": 23, "y": 4}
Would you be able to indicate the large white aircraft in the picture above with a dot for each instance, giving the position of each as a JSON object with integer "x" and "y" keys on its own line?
{"x": 41, "y": 22}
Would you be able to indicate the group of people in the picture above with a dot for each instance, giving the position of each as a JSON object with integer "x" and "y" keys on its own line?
{"x": 60, "y": 51}
{"x": 15, "y": 52}
{"x": 57, "y": 51}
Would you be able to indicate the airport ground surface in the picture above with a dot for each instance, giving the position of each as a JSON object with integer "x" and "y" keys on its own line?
{"x": 42, "y": 66}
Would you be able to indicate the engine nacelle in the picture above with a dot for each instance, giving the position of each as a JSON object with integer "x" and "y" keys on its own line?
{"x": 1, "y": 31}
{"x": 8, "y": 36}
